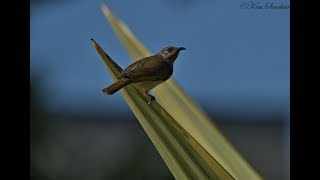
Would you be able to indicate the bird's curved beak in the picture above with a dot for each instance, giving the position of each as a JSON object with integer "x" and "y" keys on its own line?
{"x": 181, "y": 48}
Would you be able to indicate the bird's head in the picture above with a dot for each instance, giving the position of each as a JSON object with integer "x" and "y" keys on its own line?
{"x": 170, "y": 53}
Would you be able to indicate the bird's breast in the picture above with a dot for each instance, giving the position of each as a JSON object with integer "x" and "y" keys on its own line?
{"x": 166, "y": 71}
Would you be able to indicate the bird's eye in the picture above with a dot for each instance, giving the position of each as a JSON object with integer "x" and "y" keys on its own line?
{"x": 165, "y": 52}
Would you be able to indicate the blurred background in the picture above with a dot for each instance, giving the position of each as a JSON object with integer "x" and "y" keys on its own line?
{"x": 236, "y": 68}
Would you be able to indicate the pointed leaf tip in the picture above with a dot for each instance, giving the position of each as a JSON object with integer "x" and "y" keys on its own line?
{"x": 93, "y": 41}
{"x": 96, "y": 45}
{"x": 105, "y": 8}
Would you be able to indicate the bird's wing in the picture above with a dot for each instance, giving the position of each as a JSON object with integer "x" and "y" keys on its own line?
{"x": 144, "y": 69}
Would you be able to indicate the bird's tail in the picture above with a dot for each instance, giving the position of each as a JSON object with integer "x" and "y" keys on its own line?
{"x": 116, "y": 86}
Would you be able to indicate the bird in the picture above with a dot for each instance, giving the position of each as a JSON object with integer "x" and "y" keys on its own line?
{"x": 147, "y": 72}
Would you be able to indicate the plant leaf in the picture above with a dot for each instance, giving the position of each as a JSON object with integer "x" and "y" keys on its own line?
{"x": 184, "y": 156}
{"x": 187, "y": 113}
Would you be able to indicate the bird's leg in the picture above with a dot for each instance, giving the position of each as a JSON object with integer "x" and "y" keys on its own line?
{"x": 152, "y": 98}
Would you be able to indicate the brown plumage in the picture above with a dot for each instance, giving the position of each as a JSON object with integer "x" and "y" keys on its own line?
{"x": 116, "y": 86}
{"x": 147, "y": 72}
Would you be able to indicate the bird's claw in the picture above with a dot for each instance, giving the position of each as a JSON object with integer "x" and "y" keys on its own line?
{"x": 152, "y": 98}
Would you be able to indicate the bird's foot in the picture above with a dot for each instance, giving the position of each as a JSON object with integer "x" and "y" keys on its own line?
{"x": 152, "y": 98}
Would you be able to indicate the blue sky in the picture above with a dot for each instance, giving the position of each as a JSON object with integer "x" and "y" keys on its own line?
{"x": 236, "y": 60}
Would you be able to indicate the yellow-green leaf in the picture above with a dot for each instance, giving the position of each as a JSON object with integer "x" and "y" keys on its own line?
{"x": 184, "y": 156}
{"x": 187, "y": 113}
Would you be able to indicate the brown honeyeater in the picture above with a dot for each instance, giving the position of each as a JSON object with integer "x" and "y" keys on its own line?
{"x": 148, "y": 72}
